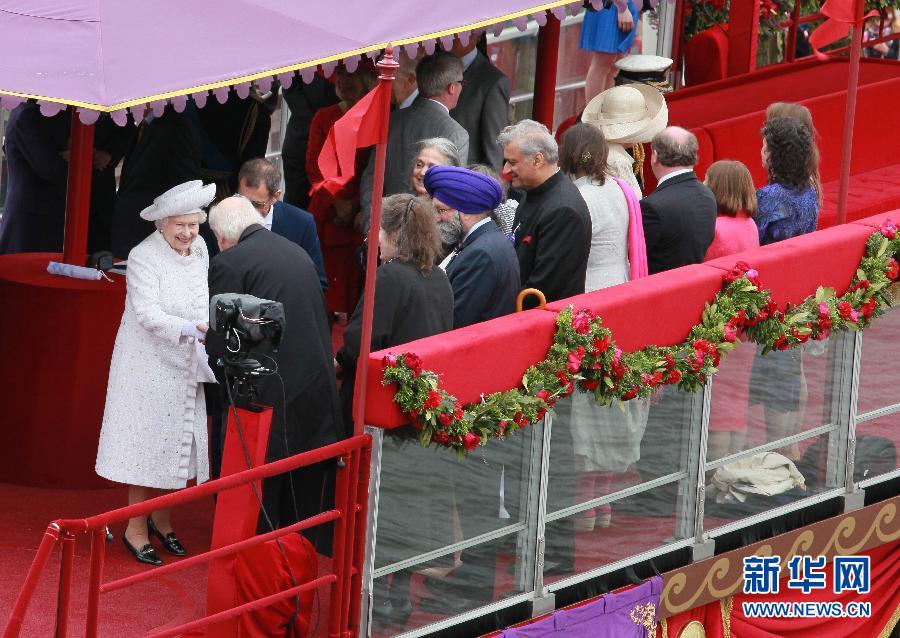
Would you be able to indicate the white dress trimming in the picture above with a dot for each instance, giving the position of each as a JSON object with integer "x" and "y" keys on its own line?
{"x": 154, "y": 430}
{"x": 607, "y": 438}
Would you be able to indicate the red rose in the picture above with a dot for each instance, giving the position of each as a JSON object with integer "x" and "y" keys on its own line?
{"x": 729, "y": 333}
{"x": 674, "y": 377}
{"x": 527, "y": 239}
{"x": 781, "y": 343}
{"x": 657, "y": 378}
{"x": 590, "y": 385}
{"x": 520, "y": 419}
{"x": 574, "y": 360}
{"x": 868, "y": 308}
{"x": 414, "y": 415}
{"x": 888, "y": 229}
{"x": 413, "y": 362}
{"x": 434, "y": 400}
{"x": 600, "y": 346}
{"x": 630, "y": 394}
{"x": 845, "y": 309}
{"x": 503, "y": 425}
{"x": 471, "y": 441}
{"x": 544, "y": 396}
{"x": 441, "y": 438}
{"x": 893, "y": 269}
{"x": 445, "y": 419}
{"x": 457, "y": 412}
{"x": 702, "y": 345}
{"x": 799, "y": 336}
{"x": 388, "y": 361}
{"x": 581, "y": 322}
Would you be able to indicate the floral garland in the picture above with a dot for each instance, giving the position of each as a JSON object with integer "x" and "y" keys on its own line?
{"x": 584, "y": 355}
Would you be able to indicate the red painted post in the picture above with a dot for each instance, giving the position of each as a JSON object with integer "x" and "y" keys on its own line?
{"x": 98, "y": 554}
{"x": 791, "y": 46}
{"x": 850, "y": 111}
{"x": 338, "y": 564}
{"x": 65, "y": 584}
{"x": 17, "y": 616}
{"x": 78, "y": 192}
{"x": 349, "y": 542}
{"x": 545, "y": 72}
{"x": 677, "y": 43}
{"x": 743, "y": 36}
{"x": 387, "y": 65}
{"x": 359, "y": 553}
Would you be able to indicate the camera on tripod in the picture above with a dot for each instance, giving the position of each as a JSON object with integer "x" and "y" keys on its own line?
{"x": 246, "y": 322}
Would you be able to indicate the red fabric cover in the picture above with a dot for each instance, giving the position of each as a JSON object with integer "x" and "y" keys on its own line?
{"x": 869, "y": 194}
{"x": 58, "y": 336}
{"x": 645, "y": 310}
{"x": 482, "y": 358}
{"x": 738, "y": 138}
{"x": 262, "y": 571}
{"x": 796, "y": 82}
{"x": 706, "y": 56}
{"x": 876, "y": 221}
{"x": 792, "y": 269}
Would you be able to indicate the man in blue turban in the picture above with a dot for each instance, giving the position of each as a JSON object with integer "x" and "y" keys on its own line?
{"x": 483, "y": 270}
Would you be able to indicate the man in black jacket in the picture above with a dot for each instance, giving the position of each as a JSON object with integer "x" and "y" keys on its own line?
{"x": 307, "y": 410}
{"x": 552, "y": 226}
{"x": 680, "y": 215}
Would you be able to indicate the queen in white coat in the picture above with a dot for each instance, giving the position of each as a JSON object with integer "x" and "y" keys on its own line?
{"x": 154, "y": 434}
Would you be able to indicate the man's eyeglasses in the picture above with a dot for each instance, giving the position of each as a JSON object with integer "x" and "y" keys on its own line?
{"x": 260, "y": 206}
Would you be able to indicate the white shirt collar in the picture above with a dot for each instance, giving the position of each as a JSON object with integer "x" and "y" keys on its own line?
{"x": 443, "y": 106}
{"x": 468, "y": 58}
{"x": 477, "y": 225}
{"x": 409, "y": 99}
{"x": 267, "y": 220}
{"x": 680, "y": 171}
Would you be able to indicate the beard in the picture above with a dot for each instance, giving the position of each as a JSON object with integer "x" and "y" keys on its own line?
{"x": 451, "y": 234}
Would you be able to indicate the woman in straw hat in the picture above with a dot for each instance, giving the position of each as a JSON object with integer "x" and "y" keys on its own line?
{"x": 627, "y": 115}
{"x": 154, "y": 424}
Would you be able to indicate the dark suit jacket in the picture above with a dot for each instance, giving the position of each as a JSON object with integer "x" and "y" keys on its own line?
{"x": 484, "y": 276}
{"x": 483, "y": 110}
{"x": 299, "y": 226}
{"x": 553, "y": 239}
{"x": 423, "y": 119}
{"x": 115, "y": 140}
{"x": 164, "y": 154}
{"x": 679, "y": 222}
{"x": 34, "y": 209}
{"x": 269, "y": 266}
{"x": 408, "y": 306}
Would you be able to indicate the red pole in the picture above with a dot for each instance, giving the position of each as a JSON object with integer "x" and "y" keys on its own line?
{"x": 65, "y": 584}
{"x": 78, "y": 193}
{"x": 850, "y": 111}
{"x": 677, "y": 43}
{"x": 98, "y": 554}
{"x": 17, "y": 616}
{"x": 387, "y": 65}
{"x": 791, "y": 46}
{"x": 545, "y": 72}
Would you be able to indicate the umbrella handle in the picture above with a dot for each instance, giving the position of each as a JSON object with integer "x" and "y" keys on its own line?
{"x": 542, "y": 300}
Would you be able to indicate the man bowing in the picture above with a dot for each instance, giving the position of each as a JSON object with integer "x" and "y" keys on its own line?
{"x": 484, "y": 271}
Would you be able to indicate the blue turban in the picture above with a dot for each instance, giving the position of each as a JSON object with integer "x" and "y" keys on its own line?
{"x": 463, "y": 190}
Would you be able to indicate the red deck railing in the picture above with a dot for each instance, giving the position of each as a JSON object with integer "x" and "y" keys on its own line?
{"x": 348, "y": 514}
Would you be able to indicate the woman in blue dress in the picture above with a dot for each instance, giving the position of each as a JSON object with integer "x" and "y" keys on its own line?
{"x": 787, "y": 206}
{"x": 608, "y": 34}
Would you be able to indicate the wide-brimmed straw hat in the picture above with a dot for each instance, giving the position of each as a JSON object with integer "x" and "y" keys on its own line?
{"x": 629, "y": 114}
{"x": 183, "y": 199}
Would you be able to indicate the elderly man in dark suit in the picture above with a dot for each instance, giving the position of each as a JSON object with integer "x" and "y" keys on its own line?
{"x": 440, "y": 80}
{"x": 680, "y": 215}
{"x": 552, "y": 227}
{"x": 483, "y": 108}
{"x": 307, "y": 411}
{"x": 165, "y": 153}
{"x": 260, "y": 181}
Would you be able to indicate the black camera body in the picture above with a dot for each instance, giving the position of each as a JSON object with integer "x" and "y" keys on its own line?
{"x": 244, "y": 323}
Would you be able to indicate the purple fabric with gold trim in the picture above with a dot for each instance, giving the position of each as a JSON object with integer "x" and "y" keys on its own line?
{"x": 629, "y": 614}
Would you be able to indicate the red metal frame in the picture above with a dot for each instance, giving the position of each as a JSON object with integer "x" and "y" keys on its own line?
{"x": 78, "y": 191}
{"x": 850, "y": 111}
{"x": 349, "y": 515}
{"x": 545, "y": 72}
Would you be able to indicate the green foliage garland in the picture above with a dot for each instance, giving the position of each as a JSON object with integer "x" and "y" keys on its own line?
{"x": 584, "y": 355}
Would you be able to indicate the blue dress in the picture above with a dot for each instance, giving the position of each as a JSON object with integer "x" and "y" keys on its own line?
{"x": 600, "y": 30}
{"x": 781, "y": 213}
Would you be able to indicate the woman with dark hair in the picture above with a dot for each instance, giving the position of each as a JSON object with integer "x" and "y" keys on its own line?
{"x": 786, "y": 207}
{"x": 413, "y": 300}
{"x": 607, "y": 439}
{"x": 803, "y": 115}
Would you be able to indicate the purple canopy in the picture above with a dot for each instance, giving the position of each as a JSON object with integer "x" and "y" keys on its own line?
{"x": 108, "y": 55}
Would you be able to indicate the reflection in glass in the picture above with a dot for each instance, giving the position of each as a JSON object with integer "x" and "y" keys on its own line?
{"x": 879, "y": 374}
{"x": 429, "y": 503}
{"x": 877, "y": 441}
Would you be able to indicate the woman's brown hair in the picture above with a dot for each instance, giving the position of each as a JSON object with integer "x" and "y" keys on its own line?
{"x": 413, "y": 219}
{"x": 731, "y": 183}
{"x": 804, "y": 116}
{"x": 584, "y": 152}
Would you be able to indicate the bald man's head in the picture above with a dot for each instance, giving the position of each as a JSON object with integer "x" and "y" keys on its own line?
{"x": 675, "y": 147}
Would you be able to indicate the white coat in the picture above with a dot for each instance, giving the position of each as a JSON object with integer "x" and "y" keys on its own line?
{"x": 154, "y": 430}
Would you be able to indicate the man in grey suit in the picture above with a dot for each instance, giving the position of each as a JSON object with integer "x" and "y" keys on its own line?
{"x": 483, "y": 108}
{"x": 440, "y": 80}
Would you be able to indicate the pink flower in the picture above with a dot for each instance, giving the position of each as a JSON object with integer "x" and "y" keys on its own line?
{"x": 389, "y": 361}
{"x": 574, "y": 359}
{"x": 729, "y": 333}
{"x": 824, "y": 310}
{"x": 888, "y": 229}
{"x": 581, "y": 322}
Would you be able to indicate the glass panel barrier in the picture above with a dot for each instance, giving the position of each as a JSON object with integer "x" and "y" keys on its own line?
{"x": 619, "y": 472}
{"x": 879, "y": 375}
{"x": 877, "y": 441}
{"x": 452, "y": 535}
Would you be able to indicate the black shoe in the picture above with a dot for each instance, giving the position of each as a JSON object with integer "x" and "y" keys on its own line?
{"x": 170, "y": 541}
{"x": 145, "y": 554}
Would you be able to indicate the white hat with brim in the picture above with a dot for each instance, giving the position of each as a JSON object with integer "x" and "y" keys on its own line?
{"x": 643, "y": 63}
{"x": 183, "y": 199}
{"x": 628, "y": 114}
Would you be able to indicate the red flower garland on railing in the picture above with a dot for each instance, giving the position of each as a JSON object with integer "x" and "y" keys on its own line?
{"x": 584, "y": 354}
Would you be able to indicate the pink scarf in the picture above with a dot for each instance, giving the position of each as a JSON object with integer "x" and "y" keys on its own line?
{"x": 637, "y": 247}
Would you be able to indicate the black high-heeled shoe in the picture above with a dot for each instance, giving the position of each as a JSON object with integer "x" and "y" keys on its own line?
{"x": 145, "y": 554}
{"x": 170, "y": 542}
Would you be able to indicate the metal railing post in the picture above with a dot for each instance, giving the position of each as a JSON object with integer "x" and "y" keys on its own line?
{"x": 98, "y": 554}
{"x": 48, "y": 542}
{"x": 65, "y": 584}
{"x": 341, "y": 498}
{"x": 359, "y": 541}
